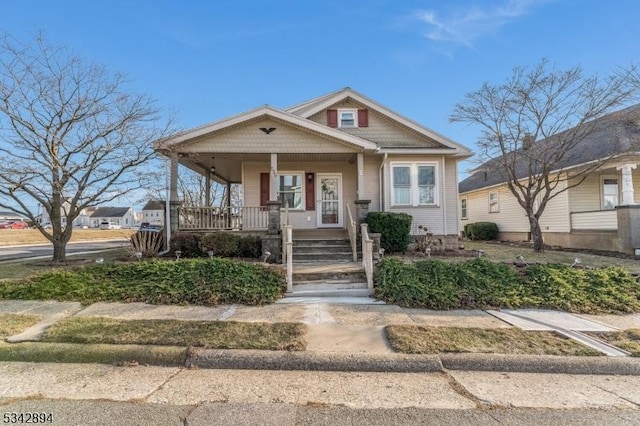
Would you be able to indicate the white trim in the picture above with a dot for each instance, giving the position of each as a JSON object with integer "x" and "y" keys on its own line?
{"x": 414, "y": 187}
{"x": 602, "y": 178}
{"x": 353, "y": 111}
{"x": 303, "y": 197}
{"x": 318, "y": 194}
{"x": 497, "y": 192}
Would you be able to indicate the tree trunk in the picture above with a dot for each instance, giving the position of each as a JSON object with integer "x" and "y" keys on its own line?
{"x": 59, "y": 251}
{"x": 536, "y": 234}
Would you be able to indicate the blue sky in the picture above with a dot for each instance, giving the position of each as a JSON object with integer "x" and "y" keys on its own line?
{"x": 211, "y": 59}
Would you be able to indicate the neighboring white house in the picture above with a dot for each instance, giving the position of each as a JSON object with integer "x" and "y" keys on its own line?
{"x": 321, "y": 156}
{"x": 83, "y": 219}
{"x": 6, "y": 215}
{"x": 153, "y": 212}
{"x": 122, "y": 216}
{"x": 602, "y": 212}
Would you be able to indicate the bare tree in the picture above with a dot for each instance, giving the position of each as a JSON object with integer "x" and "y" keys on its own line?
{"x": 72, "y": 136}
{"x": 532, "y": 125}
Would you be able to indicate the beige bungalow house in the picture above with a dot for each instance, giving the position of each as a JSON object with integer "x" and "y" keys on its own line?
{"x": 319, "y": 167}
{"x": 602, "y": 212}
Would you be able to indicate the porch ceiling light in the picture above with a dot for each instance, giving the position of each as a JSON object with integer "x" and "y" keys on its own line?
{"x": 213, "y": 167}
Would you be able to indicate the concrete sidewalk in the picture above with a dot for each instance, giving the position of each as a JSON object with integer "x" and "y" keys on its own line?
{"x": 343, "y": 335}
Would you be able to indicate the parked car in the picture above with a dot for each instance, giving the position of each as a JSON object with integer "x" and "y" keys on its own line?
{"x": 5, "y": 225}
{"x": 19, "y": 224}
{"x": 109, "y": 225}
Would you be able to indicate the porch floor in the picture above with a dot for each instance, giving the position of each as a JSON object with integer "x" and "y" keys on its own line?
{"x": 320, "y": 234}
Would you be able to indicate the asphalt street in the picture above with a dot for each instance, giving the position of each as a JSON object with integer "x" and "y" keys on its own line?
{"x": 23, "y": 252}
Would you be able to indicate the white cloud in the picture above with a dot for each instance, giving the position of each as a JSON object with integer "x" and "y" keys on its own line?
{"x": 464, "y": 26}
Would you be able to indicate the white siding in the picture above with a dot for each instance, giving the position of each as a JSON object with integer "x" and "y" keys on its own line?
{"x": 586, "y": 196}
{"x": 372, "y": 181}
{"x": 604, "y": 220}
{"x": 433, "y": 217}
{"x": 512, "y": 217}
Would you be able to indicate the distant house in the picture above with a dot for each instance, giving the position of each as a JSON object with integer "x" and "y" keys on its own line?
{"x": 122, "y": 216}
{"x": 83, "y": 219}
{"x": 5, "y": 215}
{"x": 153, "y": 212}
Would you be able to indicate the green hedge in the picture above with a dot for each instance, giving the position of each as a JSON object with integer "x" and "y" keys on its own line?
{"x": 481, "y": 284}
{"x": 187, "y": 242}
{"x": 394, "y": 229}
{"x": 205, "y": 282}
{"x": 483, "y": 231}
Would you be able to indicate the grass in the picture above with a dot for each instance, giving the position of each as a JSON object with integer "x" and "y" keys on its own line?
{"x": 433, "y": 340}
{"x": 11, "y": 324}
{"x": 10, "y": 237}
{"x": 101, "y": 354}
{"x": 25, "y": 268}
{"x": 209, "y": 334}
{"x": 629, "y": 340}
{"x": 505, "y": 252}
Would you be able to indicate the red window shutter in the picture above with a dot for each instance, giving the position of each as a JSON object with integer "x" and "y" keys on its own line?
{"x": 310, "y": 191}
{"x": 264, "y": 188}
{"x": 363, "y": 118}
{"x": 332, "y": 118}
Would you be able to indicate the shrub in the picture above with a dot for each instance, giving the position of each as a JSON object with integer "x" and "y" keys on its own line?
{"x": 482, "y": 284}
{"x": 188, "y": 243}
{"x": 481, "y": 231}
{"x": 394, "y": 229}
{"x": 190, "y": 281}
{"x": 250, "y": 246}
{"x": 223, "y": 244}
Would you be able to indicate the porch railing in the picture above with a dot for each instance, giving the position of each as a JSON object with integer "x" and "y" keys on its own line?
{"x": 367, "y": 255}
{"x": 285, "y": 227}
{"x": 599, "y": 220}
{"x": 352, "y": 231}
{"x": 219, "y": 218}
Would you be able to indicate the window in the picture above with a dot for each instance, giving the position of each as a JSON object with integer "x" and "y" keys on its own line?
{"x": 609, "y": 193}
{"x": 347, "y": 118}
{"x": 290, "y": 187}
{"x": 494, "y": 203}
{"x": 414, "y": 184}
{"x": 463, "y": 208}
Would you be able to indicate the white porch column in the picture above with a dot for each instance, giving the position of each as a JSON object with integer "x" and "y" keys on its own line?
{"x": 273, "y": 188}
{"x": 173, "y": 183}
{"x": 627, "y": 184}
{"x": 207, "y": 189}
{"x": 360, "y": 190}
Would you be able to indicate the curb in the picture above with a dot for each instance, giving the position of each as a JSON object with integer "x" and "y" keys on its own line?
{"x": 548, "y": 364}
{"x": 230, "y": 359}
{"x": 312, "y": 361}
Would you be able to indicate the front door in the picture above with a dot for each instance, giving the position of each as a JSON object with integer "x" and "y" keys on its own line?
{"x": 329, "y": 196}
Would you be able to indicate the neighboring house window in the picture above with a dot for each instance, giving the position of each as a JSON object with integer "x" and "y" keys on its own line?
{"x": 414, "y": 184}
{"x": 290, "y": 189}
{"x": 463, "y": 208}
{"x": 494, "y": 202}
{"x": 348, "y": 117}
{"x": 609, "y": 193}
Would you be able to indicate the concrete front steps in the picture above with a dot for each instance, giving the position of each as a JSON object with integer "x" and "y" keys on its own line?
{"x": 329, "y": 280}
{"x": 322, "y": 251}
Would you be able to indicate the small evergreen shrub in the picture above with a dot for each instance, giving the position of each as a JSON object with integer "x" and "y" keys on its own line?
{"x": 480, "y": 284}
{"x": 205, "y": 282}
{"x": 223, "y": 244}
{"x": 483, "y": 231}
{"x": 250, "y": 246}
{"x": 188, "y": 243}
{"x": 394, "y": 229}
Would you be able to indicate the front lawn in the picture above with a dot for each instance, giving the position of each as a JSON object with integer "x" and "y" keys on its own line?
{"x": 206, "y": 282}
{"x": 413, "y": 339}
{"x": 208, "y": 334}
{"x": 11, "y": 324}
{"x": 629, "y": 340}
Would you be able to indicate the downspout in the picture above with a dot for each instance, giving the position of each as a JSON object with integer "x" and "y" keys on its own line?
{"x": 444, "y": 200}
{"x": 167, "y": 208}
{"x": 381, "y": 182}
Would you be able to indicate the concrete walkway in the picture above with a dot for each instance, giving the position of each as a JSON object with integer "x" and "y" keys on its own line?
{"x": 332, "y": 327}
